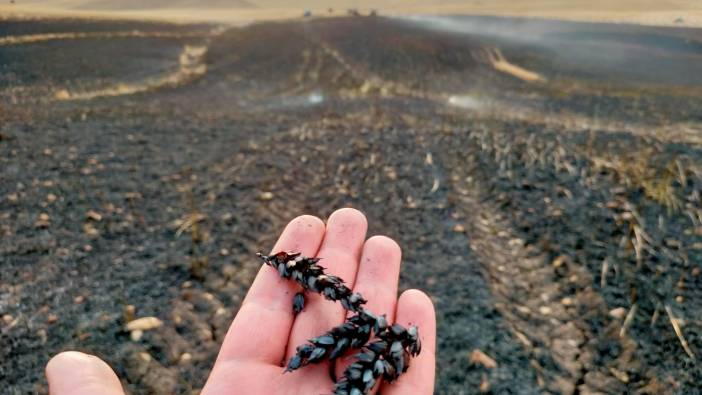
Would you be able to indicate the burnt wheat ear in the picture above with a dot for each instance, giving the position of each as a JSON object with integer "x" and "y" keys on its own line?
{"x": 354, "y": 333}
{"x": 386, "y": 357}
{"x": 306, "y": 272}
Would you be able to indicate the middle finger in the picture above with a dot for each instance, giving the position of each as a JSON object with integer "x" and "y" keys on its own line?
{"x": 340, "y": 253}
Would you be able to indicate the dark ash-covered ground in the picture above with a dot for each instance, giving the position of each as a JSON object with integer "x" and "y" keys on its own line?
{"x": 557, "y": 224}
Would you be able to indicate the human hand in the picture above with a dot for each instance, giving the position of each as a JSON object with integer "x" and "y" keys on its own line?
{"x": 265, "y": 332}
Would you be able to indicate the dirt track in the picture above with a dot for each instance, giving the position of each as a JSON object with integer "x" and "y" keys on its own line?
{"x": 507, "y": 200}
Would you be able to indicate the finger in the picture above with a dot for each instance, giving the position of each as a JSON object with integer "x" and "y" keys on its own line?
{"x": 261, "y": 328}
{"x": 75, "y": 373}
{"x": 415, "y": 308}
{"x": 377, "y": 277}
{"x": 340, "y": 253}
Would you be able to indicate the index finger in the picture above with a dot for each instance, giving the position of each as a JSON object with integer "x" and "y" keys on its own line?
{"x": 261, "y": 328}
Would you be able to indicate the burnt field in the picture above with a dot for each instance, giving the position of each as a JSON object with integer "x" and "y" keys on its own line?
{"x": 547, "y": 199}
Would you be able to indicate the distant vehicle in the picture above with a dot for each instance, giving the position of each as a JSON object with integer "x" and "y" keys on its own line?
{"x": 679, "y": 20}
{"x": 373, "y": 13}
{"x": 330, "y": 10}
{"x": 353, "y": 12}
{"x": 307, "y": 13}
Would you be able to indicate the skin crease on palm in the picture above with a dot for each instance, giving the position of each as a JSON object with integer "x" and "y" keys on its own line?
{"x": 265, "y": 332}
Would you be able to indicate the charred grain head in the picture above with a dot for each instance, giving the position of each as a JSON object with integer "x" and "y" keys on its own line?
{"x": 384, "y": 350}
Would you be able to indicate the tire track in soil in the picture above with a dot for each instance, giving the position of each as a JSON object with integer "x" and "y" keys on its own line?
{"x": 549, "y": 306}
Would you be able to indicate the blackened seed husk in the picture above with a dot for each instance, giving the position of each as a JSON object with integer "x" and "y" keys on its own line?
{"x": 298, "y": 302}
{"x": 386, "y": 357}
{"x": 306, "y": 272}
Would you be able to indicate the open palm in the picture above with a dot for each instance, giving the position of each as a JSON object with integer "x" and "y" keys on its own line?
{"x": 265, "y": 332}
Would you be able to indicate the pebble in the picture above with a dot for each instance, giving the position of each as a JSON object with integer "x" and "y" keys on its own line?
{"x": 144, "y": 324}
{"x": 479, "y": 357}
{"x": 43, "y": 221}
{"x": 52, "y": 318}
{"x": 90, "y": 230}
{"x": 94, "y": 215}
{"x": 458, "y": 228}
{"x": 618, "y": 313}
{"x": 265, "y": 196}
{"x": 559, "y": 261}
{"x": 185, "y": 358}
{"x": 567, "y": 301}
{"x": 136, "y": 335}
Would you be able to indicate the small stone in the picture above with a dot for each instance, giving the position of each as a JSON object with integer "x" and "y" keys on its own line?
{"x": 52, "y": 318}
{"x": 79, "y": 299}
{"x": 480, "y": 358}
{"x": 43, "y": 221}
{"x": 87, "y": 248}
{"x": 559, "y": 261}
{"x": 516, "y": 242}
{"x": 679, "y": 299}
{"x": 185, "y": 358}
{"x": 618, "y": 313}
{"x": 94, "y": 215}
{"x": 567, "y": 301}
{"x": 224, "y": 252}
{"x": 226, "y": 217}
{"x": 265, "y": 196}
{"x": 90, "y": 230}
{"x": 144, "y": 324}
{"x": 458, "y": 228}
{"x": 620, "y": 375}
{"x": 545, "y": 310}
{"x": 7, "y": 319}
{"x": 51, "y": 198}
{"x": 136, "y": 335}
{"x": 696, "y": 271}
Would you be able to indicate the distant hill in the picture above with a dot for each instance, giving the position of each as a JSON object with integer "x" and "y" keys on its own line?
{"x": 156, "y": 4}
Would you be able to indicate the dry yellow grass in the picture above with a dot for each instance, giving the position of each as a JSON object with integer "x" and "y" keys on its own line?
{"x": 653, "y": 12}
{"x": 500, "y": 63}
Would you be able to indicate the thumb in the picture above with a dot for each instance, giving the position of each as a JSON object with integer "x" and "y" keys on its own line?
{"x": 75, "y": 373}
